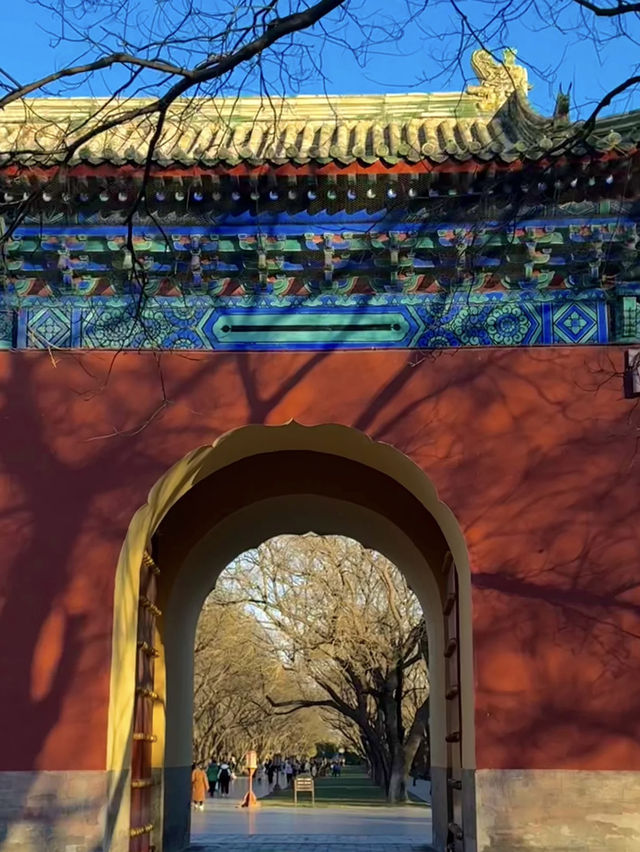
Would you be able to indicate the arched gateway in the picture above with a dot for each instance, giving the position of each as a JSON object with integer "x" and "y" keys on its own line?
{"x": 452, "y": 274}
{"x": 255, "y": 483}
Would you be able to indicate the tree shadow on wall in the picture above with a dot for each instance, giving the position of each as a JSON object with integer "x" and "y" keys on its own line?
{"x": 73, "y": 483}
{"x": 511, "y": 439}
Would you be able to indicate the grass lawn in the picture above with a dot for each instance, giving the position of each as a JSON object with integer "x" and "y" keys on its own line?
{"x": 352, "y": 789}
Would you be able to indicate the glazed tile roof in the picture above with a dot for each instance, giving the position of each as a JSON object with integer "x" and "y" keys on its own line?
{"x": 489, "y": 121}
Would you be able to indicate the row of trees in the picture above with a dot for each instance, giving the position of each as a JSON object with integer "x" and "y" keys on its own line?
{"x": 235, "y": 670}
{"x": 321, "y": 626}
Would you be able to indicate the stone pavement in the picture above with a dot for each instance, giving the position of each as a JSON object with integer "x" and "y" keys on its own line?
{"x": 223, "y": 827}
{"x": 350, "y": 816}
{"x": 309, "y": 843}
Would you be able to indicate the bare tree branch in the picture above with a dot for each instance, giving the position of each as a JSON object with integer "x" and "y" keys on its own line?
{"x": 609, "y": 11}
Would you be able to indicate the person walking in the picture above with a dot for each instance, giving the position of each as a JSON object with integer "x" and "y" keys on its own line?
{"x": 288, "y": 771}
{"x": 212, "y": 775}
{"x": 199, "y": 784}
{"x": 224, "y": 778}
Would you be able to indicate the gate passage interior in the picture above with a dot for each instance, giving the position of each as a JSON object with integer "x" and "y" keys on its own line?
{"x": 143, "y": 779}
{"x": 201, "y": 534}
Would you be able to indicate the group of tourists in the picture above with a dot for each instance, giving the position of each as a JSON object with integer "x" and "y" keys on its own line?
{"x": 336, "y": 768}
{"x": 217, "y": 776}
{"x": 220, "y": 774}
{"x": 290, "y": 767}
{"x": 293, "y": 766}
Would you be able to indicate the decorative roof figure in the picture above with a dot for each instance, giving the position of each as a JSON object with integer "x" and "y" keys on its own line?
{"x": 563, "y": 105}
{"x": 498, "y": 80}
{"x": 490, "y": 121}
{"x": 394, "y": 221}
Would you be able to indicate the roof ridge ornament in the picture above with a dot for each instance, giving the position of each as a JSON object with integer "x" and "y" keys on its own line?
{"x": 498, "y": 79}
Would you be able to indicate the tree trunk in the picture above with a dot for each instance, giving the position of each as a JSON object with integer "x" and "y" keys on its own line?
{"x": 392, "y": 712}
{"x": 397, "y": 790}
{"x": 382, "y": 776}
{"x": 377, "y": 764}
{"x": 418, "y": 735}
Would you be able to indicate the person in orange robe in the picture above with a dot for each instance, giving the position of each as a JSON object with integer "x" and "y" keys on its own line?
{"x": 199, "y": 786}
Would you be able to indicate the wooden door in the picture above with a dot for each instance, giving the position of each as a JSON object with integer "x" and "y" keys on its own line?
{"x": 455, "y": 840}
{"x": 142, "y": 782}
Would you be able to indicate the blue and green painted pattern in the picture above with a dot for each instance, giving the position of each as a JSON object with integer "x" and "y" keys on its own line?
{"x": 316, "y": 285}
{"x": 326, "y": 322}
{"x": 342, "y": 257}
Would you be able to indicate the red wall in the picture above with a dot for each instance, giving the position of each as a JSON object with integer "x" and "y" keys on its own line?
{"x": 535, "y": 451}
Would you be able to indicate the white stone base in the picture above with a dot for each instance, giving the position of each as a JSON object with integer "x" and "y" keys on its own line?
{"x": 557, "y": 811}
{"x": 53, "y": 811}
{"x": 517, "y": 811}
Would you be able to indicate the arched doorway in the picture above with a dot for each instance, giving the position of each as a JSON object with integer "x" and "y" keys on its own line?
{"x": 255, "y": 483}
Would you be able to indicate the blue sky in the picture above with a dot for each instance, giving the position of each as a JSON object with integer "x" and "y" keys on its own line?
{"x": 412, "y": 62}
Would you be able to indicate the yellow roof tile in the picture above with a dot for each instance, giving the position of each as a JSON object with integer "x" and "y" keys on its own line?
{"x": 489, "y": 119}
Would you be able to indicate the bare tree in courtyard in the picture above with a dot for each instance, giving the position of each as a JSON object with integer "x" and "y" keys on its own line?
{"x": 236, "y": 668}
{"x": 353, "y": 632}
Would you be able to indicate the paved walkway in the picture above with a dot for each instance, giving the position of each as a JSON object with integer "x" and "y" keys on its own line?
{"x": 308, "y": 843}
{"x": 278, "y": 826}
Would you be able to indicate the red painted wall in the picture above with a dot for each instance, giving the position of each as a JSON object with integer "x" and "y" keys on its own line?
{"x": 536, "y": 452}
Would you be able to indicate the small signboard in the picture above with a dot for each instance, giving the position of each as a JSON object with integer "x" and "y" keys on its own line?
{"x": 303, "y": 784}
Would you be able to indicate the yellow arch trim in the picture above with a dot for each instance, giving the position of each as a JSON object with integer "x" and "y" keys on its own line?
{"x": 242, "y": 443}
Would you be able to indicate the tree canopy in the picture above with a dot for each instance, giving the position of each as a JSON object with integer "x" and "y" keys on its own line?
{"x": 236, "y": 668}
{"x": 345, "y": 636}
